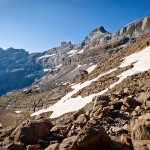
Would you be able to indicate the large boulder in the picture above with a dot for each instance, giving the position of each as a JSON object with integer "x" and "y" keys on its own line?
{"x": 81, "y": 120}
{"x": 29, "y": 132}
{"x": 141, "y": 132}
{"x": 92, "y": 136}
{"x": 53, "y": 147}
{"x": 14, "y": 146}
{"x": 67, "y": 142}
{"x": 131, "y": 103}
{"x": 32, "y": 147}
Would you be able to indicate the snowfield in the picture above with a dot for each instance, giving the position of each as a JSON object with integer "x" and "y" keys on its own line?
{"x": 90, "y": 69}
{"x": 141, "y": 63}
{"x": 71, "y": 53}
{"x": 46, "y": 56}
{"x": 17, "y": 111}
{"x": 81, "y": 51}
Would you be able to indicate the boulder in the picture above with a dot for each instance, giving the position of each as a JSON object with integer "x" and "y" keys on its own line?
{"x": 144, "y": 96}
{"x": 105, "y": 111}
{"x": 142, "y": 145}
{"x": 67, "y": 142}
{"x": 53, "y": 147}
{"x": 77, "y": 113}
{"x": 32, "y": 147}
{"x": 140, "y": 130}
{"x": 81, "y": 120}
{"x": 125, "y": 139}
{"x": 14, "y": 146}
{"x": 140, "y": 134}
{"x": 29, "y": 132}
{"x": 83, "y": 72}
{"x": 117, "y": 105}
{"x": 101, "y": 113}
{"x": 101, "y": 101}
{"x": 92, "y": 136}
{"x": 131, "y": 103}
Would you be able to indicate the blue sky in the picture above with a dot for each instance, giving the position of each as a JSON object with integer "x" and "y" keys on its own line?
{"x": 38, "y": 25}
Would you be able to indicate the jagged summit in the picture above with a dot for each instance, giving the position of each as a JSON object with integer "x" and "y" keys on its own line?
{"x": 99, "y": 29}
{"x": 97, "y": 36}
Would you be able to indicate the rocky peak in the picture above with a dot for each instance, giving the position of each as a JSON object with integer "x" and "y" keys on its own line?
{"x": 100, "y": 29}
{"x": 13, "y": 52}
{"x": 97, "y": 36}
{"x": 65, "y": 43}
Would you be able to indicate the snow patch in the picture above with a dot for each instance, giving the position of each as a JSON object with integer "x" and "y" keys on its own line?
{"x": 15, "y": 70}
{"x": 81, "y": 51}
{"x": 71, "y": 53}
{"x": 91, "y": 68}
{"x": 46, "y": 56}
{"x": 46, "y": 70}
{"x": 59, "y": 66}
{"x": 141, "y": 59}
{"x": 73, "y": 104}
{"x": 17, "y": 111}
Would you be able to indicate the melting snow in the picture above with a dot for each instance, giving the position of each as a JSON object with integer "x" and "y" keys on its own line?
{"x": 46, "y": 56}
{"x": 15, "y": 70}
{"x": 90, "y": 69}
{"x": 45, "y": 70}
{"x": 73, "y": 104}
{"x": 59, "y": 66}
{"x": 68, "y": 104}
{"x": 81, "y": 51}
{"x": 71, "y": 53}
{"x": 17, "y": 111}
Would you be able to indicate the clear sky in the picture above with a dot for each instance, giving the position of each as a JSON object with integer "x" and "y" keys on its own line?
{"x": 38, "y": 25}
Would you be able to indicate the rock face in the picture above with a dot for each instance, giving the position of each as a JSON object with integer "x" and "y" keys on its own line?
{"x": 96, "y": 37}
{"x": 136, "y": 28}
{"x": 21, "y": 73}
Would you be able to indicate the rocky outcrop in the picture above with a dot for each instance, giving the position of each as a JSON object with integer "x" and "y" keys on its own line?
{"x": 96, "y": 37}
{"x": 136, "y": 28}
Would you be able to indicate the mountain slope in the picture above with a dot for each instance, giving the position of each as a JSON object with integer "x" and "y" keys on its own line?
{"x": 113, "y": 103}
{"x": 25, "y": 68}
{"x": 95, "y": 95}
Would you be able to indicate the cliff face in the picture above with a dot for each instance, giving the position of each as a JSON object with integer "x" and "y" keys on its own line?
{"x": 17, "y": 69}
{"x": 136, "y": 28}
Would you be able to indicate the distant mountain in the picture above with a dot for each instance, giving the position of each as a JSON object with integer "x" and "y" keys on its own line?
{"x": 18, "y": 69}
